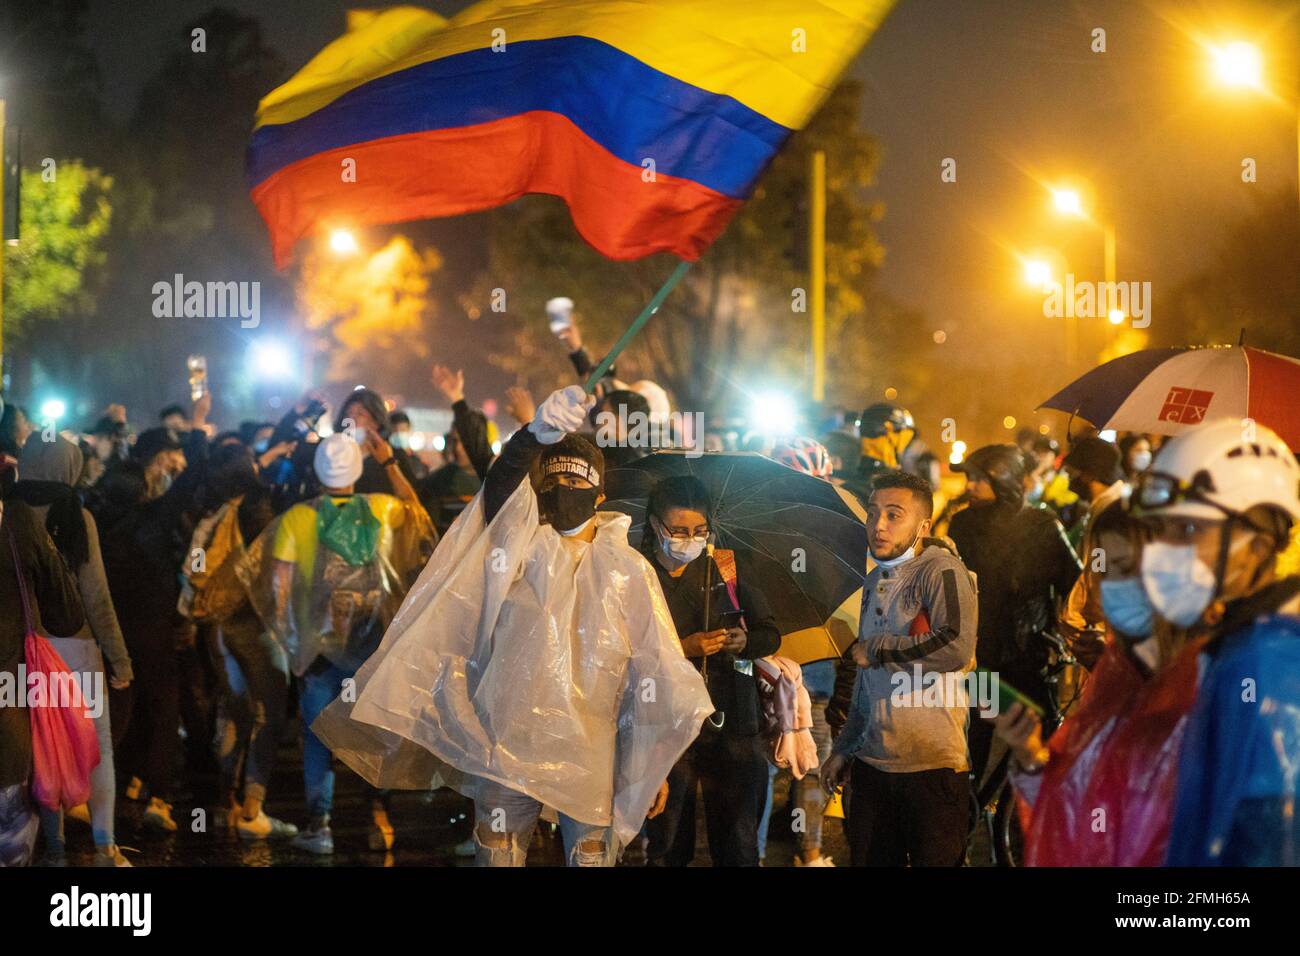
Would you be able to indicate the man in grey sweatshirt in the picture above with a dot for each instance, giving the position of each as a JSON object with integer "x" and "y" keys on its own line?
{"x": 903, "y": 748}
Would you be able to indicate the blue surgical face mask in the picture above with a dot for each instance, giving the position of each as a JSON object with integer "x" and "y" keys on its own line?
{"x": 1129, "y": 613}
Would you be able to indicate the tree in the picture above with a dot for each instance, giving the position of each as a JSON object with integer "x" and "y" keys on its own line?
{"x": 52, "y": 274}
{"x": 733, "y": 323}
{"x": 368, "y": 311}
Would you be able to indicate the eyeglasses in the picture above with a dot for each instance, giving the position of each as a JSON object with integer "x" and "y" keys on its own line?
{"x": 683, "y": 535}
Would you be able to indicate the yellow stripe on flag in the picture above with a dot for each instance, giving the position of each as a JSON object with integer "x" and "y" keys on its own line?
{"x": 778, "y": 57}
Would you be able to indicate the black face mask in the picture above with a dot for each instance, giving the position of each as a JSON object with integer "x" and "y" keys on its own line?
{"x": 567, "y": 508}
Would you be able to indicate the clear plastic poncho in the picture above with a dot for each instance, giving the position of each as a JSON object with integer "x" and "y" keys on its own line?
{"x": 522, "y": 657}
{"x": 361, "y": 572}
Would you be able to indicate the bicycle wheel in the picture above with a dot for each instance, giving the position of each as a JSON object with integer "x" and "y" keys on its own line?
{"x": 1008, "y": 838}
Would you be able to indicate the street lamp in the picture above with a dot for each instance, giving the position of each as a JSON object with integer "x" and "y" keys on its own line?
{"x": 343, "y": 242}
{"x": 1239, "y": 64}
{"x": 1038, "y": 273}
{"x": 1067, "y": 202}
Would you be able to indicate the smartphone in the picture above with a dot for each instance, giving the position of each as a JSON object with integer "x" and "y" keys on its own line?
{"x": 1008, "y": 695}
{"x": 197, "y": 366}
{"x": 730, "y": 618}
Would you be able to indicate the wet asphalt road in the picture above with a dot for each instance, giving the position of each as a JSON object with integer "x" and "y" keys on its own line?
{"x": 428, "y": 828}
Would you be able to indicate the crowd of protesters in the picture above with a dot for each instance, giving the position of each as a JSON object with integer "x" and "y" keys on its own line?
{"x": 224, "y": 582}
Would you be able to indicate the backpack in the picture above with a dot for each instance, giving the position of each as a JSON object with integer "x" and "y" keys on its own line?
{"x": 212, "y": 590}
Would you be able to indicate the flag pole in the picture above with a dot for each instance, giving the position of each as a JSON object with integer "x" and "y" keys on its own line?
{"x": 651, "y": 308}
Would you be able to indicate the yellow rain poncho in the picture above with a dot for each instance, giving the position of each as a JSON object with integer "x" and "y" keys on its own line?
{"x": 537, "y": 661}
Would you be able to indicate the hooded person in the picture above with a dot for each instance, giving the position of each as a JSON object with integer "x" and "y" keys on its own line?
{"x": 534, "y": 663}
{"x": 326, "y": 578}
{"x": 49, "y": 471}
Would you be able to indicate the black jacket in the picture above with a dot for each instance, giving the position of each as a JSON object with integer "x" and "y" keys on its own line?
{"x": 1023, "y": 565}
{"x": 733, "y": 693}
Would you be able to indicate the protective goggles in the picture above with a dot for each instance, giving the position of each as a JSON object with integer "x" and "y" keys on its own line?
{"x": 1153, "y": 491}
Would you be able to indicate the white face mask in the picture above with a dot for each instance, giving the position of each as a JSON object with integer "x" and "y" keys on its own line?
{"x": 907, "y": 555}
{"x": 683, "y": 552}
{"x": 1141, "y": 460}
{"x": 679, "y": 550}
{"x": 1179, "y": 584}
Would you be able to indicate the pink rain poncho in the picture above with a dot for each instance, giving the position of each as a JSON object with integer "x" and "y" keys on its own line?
{"x": 536, "y": 661}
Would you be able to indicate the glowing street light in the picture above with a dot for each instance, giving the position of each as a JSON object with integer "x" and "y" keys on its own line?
{"x": 53, "y": 409}
{"x": 773, "y": 414}
{"x": 270, "y": 360}
{"x": 1038, "y": 273}
{"x": 1068, "y": 202}
{"x": 343, "y": 242}
{"x": 1239, "y": 65}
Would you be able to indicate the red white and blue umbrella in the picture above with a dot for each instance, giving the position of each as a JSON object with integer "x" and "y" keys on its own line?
{"x": 1167, "y": 391}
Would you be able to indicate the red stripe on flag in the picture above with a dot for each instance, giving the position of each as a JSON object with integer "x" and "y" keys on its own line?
{"x": 470, "y": 168}
{"x": 1274, "y": 382}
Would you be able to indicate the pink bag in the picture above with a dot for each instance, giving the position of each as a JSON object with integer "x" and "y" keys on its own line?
{"x": 787, "y": 715}
{"x": 65, "y": 747}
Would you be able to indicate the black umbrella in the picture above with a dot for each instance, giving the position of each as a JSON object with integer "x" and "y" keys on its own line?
{"x": 806, "y": 538}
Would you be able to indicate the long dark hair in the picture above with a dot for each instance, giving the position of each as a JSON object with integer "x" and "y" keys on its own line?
{"x": 679, "y": 491}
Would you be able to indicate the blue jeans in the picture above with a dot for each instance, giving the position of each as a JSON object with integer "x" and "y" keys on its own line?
{"x": 498, "y": 809}
{"x": 320, "y": 685}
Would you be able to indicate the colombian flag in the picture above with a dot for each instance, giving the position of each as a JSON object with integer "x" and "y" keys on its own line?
{"x": 652, "y": 119}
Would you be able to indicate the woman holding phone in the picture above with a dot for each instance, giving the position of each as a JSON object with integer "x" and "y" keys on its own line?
{"x": 724, "y": 625}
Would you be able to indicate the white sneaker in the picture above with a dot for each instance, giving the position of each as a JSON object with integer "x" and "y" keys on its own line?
{"x": 820, "y": 861}
{"x": 110, "y": 856}
{"x": 263, "y": 827}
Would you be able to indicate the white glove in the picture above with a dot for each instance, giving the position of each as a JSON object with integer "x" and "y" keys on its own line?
{"x": 563, "y": 412}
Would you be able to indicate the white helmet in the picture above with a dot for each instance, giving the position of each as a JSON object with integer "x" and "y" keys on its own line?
{"x": 1229, "y": 465}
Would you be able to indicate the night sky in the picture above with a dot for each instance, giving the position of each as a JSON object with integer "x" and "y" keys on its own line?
{"x": 1012, "y": 91}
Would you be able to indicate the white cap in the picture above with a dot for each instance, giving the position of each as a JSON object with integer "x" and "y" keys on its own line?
{"x": 1244, "y": 463}
{"x": 338, "y": 461}
{"x": 560, "y": 305}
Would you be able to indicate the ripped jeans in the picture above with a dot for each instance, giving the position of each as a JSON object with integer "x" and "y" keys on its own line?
{"x": 504, "y": 823}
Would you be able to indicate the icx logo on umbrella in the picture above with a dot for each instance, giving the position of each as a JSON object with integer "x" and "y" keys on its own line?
{"x": 1186, "y": 406}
